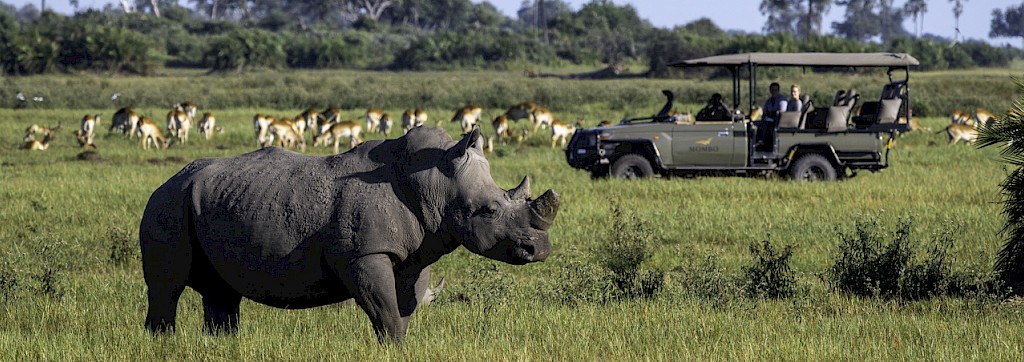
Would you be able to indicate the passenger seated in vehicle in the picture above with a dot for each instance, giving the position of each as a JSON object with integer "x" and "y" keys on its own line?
{"x": 715, "y": 110}
{"x": 794, "y": 103}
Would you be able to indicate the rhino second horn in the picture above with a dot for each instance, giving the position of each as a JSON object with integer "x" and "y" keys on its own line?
{"x": 545, "y": 208}
{"x": 521, "y": 192}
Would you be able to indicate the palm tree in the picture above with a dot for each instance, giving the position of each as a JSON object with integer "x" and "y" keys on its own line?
{"x": 958, "y": 9}
{"x": 917, "y": 8}
{"x": 1008, "y": 132}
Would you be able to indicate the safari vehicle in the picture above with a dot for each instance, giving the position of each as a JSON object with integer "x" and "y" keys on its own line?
{"x": 822, "y": 141}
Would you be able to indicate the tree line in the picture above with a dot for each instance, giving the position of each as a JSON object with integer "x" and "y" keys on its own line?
{"x": 140, "y": 37}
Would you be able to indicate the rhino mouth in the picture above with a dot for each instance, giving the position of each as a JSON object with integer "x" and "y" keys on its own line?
{"x": 533, "y": 249}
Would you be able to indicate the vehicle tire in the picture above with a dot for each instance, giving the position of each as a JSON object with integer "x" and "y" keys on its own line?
{"x": 632, "y": 167}
{"x": 812, "y": 167}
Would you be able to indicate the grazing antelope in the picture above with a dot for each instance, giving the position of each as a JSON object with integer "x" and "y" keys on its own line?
{"x": 179, "y": 123}
{"x": 539, "y": 116}
{"x": 957, "y": 132}
{"x": 149, "y": 133}
{"x": 86, "y": 134}
{"x": 324, "y": 121}
{"x": 561, "y": 130}
{"x": 32, "y": 144}
{"x": 373, "y": 117}
{"x": 385, "y": 124}
{"x": 915, "y": 126}
{"x": 500, "y": 124}
{"x": 468, "y": 116}
{"x": 261, "y": 125}
{"x": 336, "y": 131}
{"x": 286, "y": 132}
{"x": 207, "y": 125}
{"x": 124, "y": 120}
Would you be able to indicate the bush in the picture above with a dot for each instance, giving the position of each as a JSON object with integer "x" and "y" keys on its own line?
{"x": 868, "y": 266}
{"x": 241, "y": 49}
{"x": 770, "y": 276}
{"x": 489, "y": 285}
{"x": 123, "y": 247}
{"x": 579, "y": 282}
{"x": 708, "y": 281}
{"x": 625, "y": 253}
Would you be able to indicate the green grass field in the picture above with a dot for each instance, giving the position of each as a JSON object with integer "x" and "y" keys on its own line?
{"x": 65, "y": 222}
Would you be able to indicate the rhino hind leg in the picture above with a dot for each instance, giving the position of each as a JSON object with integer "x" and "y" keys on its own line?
{"x": 163, "y": 305}
{"x": 220, "y": 313}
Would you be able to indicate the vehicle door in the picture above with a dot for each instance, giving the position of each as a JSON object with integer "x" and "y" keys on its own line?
{"x": 710, "y": 144}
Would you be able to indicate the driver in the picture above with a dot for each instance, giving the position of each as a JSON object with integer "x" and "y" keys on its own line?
{"x": 714, "y": 110}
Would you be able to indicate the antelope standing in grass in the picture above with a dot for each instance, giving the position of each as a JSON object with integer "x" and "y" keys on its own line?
{"x": 179, "y": 123}
{"x": 386, "y": 123}
{"x": 188, "y": 107}
{"x": 286, "y": 132}
{"x": 408, "y": 120}
{"x": 43, "y": 130}
{"x": 373, "y": 118}
{"x": 149, "y": 133}
{"x": 421, "y": 117}
{"x": 86, "y": 134}
{"x": 539, "y": 116}
{"x": 500, "y": 124}
{"x": 207, "y": 125}
{"x": 468, "y": 116}
{"x": 309, "y": 119}
{"x": 959, "y": 116}
{"x": 561, "y": 131}
{"x": 324, "y": 121}
{"x": 261, "y": 126}
{"x": 957, "y": 132}
{"x": 124, "y": 120}
{"x": 336, "y": 131}
{"x": 983, "y": 117}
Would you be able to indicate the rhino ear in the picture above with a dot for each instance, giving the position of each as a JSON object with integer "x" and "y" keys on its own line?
{"x": 473, "y": 139}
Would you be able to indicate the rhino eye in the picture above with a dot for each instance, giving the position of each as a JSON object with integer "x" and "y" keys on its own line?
{"x": 488, "y": 210}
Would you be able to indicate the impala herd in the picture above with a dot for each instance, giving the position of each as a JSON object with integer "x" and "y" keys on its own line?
{"x": 327, "y": 128}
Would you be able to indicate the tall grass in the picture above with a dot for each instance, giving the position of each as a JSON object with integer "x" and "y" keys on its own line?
{"x": 70, "y": 216}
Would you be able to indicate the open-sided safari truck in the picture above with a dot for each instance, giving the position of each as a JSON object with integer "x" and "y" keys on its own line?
{"x": 822, "y": 141}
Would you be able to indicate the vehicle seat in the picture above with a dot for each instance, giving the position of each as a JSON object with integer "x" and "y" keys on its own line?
{"x": 839, "y": 113}
{"x": 714, "y": 110}
{"x": 795, "y": 119}
{"x": 892, "y": 100}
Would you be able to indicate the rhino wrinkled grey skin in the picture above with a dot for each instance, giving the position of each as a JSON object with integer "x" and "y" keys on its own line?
{"x": 295, "y": 231}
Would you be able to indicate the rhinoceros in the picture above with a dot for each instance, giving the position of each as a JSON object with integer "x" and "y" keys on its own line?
{"x": 295, "y": 231}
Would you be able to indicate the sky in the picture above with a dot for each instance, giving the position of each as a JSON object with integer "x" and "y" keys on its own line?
{"x": 741, "y": 15}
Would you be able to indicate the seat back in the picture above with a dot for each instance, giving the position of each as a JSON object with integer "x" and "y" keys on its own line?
{"x": 839, "y": 114}
{"x": 892, "y": 100}
{"x": 796, "y": 119}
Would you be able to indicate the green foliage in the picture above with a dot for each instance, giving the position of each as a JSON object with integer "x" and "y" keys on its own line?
{"x": 1008, "y": 133}
{"x": 245, "y": 48}
{"x": 124, "y": 249}
{"x": 625, "y": 254}
{"x": 770, "y": 275}
{"x": 489, "y": 286}
{"x": 708, "y": 281}
{"x": 870, "y": 265}
{"x": 579, "y": 282}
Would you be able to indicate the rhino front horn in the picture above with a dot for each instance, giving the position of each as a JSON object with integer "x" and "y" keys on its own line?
{"x": 521, "y": 192}
{"x": 545, "y": 208}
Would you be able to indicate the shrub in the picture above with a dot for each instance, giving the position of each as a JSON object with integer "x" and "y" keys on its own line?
{"x": 489, "y": 285}
{"x": 625, "y": 253}
{"x": 868, "y": 266}
{"x": 579, "y": 282}
{"x": 770, "y": 275}
{"x": 123, "y": 248}
{"x": 708, "y": 281}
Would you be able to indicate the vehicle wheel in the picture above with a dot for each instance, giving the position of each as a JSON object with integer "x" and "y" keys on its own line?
{"x": 631, "y": 167}
{"x": 812, "y": 167}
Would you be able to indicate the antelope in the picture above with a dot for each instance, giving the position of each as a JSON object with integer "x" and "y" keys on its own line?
{"x": 125, "y": 119}
{"x": 287, "y": 133}
{"x": 86, "y": 134}
{"x": 957, "y": 132}
{"x": 261, "y": 125}
{"x": 324, "y": 121}
{"x": 408, "y": 120}
{"x": 179, "y": 122}
{"x": 915, "y": 126}
{"x": 983, "y": 117}
{"x": 37, "y": 129}
{"x": 500, "y": 124}
{"x": 539, "y": 116}
{"x": 960, "y": 117}
{"x": 32, "y": 144}
{"x": 207, "y": 125}
{"x": 149, "y": 132}
{"x": 309, "y": 119}
{"x": 385, "y": 124}
{"x": 561, "y": 130}
{"x": 373, "y": 118}
{"x": 336, "y": 131}
{"x": 421, "y": 116}
{"x": 188, "y": 107}
{"x": 467, "y": 116}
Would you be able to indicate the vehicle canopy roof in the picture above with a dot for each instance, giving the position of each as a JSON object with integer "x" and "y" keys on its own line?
{"x": 806, "y": 59}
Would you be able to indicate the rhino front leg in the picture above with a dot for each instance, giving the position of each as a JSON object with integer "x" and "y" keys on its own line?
{"x": 373, "y": 283}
